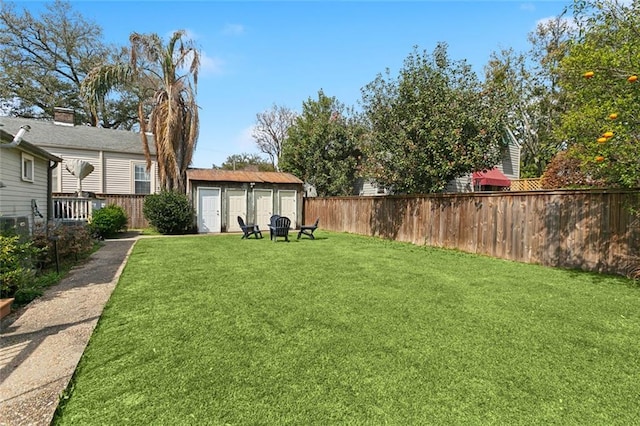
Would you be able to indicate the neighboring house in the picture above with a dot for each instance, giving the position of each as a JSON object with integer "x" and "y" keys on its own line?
{"x": 116, "y": 155}
{"x": 493, "y": 180}
{"x": 220, "y": 196}
{"x": 496, "y": 179}
{"x": 25, "y": 179}
{"x": 368, "y": 187}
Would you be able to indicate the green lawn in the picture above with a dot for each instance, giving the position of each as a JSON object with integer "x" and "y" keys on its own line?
{"x": 355, "y": 330}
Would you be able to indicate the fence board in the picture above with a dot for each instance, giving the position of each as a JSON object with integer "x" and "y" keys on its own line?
{"x": 132, "y": 204}
{"x": 589, "y": 230}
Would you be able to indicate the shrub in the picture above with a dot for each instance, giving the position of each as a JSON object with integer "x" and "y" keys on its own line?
{"x": 565, "y": 171}
{"x": 16, "y": 264}
{"x": 108, "y": 221}
{"x": 169, "y": 212}
{"x": 67, "y": 242}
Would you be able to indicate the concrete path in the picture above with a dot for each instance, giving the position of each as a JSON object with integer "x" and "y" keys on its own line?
{"x": 41, "y": 344}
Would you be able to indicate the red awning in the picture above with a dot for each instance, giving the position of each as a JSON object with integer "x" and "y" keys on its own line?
{"x": 493, "y": 177}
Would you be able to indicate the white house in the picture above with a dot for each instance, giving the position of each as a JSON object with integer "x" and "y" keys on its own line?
{"x": 117, "y": 156}
{"x": 25, "y": 182}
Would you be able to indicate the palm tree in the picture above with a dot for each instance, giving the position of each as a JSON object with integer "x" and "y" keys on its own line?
{"x": 167, "y": 104}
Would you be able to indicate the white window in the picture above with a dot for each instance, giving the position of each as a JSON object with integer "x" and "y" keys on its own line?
{"x": 27, "y": 167}
{"x": 141, "y": 179}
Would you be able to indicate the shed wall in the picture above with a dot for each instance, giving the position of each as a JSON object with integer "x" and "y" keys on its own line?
{"x": 227, "y": 223}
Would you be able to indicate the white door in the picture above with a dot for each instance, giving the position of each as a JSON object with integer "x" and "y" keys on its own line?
{"x": 208, "y": 210}
{"x": 263, "y": 202}
{"x": 287, "y": 203}
{"x": 237, "y": 199}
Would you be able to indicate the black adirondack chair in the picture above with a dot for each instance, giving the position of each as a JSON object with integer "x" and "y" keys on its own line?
{"x": 272, "y": 224}
{"x": 249, "y": 230}
{"x": 279, "y": 227}
{"x": 308, "y": 230}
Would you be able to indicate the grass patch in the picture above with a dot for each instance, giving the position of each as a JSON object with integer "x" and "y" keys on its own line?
{"x": 348, "y": 329}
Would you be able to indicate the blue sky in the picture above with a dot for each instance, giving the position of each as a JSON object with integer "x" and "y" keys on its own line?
{"x": 260, "y": 53}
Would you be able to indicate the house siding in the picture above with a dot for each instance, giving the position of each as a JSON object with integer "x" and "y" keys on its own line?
{"x": 17, "y": 195}
{"x": 121, "y": 173}
{"x": 461, "y": 184}
{"x": 112, "y": 174}
{"x": 510, "y": 164}
{"x": 68, "y": 183}
{"x": 119, "y": 180}
{"x": 368, "y": 188}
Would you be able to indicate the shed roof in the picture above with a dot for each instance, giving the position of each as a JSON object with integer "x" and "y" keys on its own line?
{"x": 218, "y": 175}
{"x": 47, "y": 134}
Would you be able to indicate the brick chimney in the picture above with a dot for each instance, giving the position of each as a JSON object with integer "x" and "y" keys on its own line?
{"x": 63, "y": 116}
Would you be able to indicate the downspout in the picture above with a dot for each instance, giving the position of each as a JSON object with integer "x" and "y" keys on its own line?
{"x": 49, "y": 193}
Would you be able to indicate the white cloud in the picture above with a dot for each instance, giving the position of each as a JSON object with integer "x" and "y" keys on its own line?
{"x": 529, "y": 7}
{"x": 244, "y": 142}
{"x": 210, "y": 64}
{"x": 233, "y": 30}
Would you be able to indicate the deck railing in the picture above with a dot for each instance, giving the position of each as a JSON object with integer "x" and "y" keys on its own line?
{"x": 72, "y": 209}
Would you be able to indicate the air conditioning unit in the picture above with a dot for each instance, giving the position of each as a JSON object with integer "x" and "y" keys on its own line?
{"x": 7, "y": 223}
{"x": 22, "y": 226}
{"x": 18, "y": 225}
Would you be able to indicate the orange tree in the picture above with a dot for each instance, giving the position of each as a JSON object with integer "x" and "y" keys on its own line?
{"x": 602, "y": 125}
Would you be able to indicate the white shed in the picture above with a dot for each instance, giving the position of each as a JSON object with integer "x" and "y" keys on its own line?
{"x": 220, "y": 196}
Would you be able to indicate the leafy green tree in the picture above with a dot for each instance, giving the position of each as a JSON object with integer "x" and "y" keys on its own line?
{"x": 533, "y": 97}
{"x": 322, "y": 146}
{"x": 602, "y": 126}
{"x": 167, "y": 100}
{"x": 271, "y": 129}
{"x": 246, "y": 161}
{"x": 43, "y": 61}
{"x": 431, "y": 124}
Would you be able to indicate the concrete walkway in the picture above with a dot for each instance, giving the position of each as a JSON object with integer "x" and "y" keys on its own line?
{"x": 41, "y": 344}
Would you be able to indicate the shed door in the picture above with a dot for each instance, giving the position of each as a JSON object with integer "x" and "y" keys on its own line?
{"x": 237, "y": 199}
{"x": 208, "y": 210}
{"x": 288, "y": 205}
{"x": 263, "y": 207}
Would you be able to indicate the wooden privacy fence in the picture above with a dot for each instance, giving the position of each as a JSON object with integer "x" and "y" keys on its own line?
{"x": 588, "y": 230}
{"x": 132, "y": 204}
